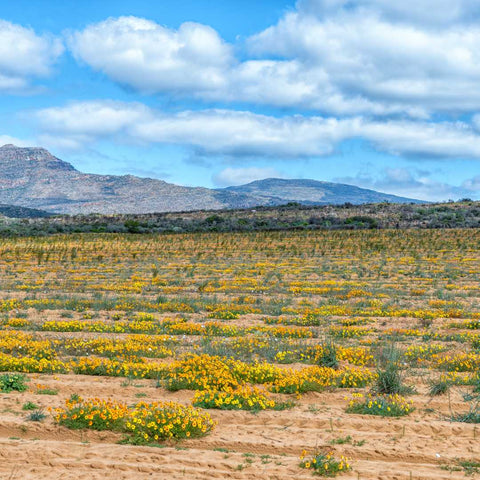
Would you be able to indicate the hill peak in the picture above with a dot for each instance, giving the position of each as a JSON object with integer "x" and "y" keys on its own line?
{"x": 12, "y": 156}
{"x": 10, "y": 147}
{"x": 304, "y": 182}
{"x": 275, "y": 191}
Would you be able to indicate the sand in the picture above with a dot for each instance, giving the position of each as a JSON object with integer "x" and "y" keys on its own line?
{"x": 243, "y": 445}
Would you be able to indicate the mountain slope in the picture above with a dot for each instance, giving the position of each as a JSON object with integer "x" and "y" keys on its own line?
{"x": 276, "y": 191}
{"x": 34, "y": 178}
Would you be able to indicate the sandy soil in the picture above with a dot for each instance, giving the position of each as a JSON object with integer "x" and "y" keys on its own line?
{"x": 243, "y": 445}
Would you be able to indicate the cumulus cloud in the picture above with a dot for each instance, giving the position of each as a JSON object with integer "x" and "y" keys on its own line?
{"x": 342, "y": 57}
{"x": 24, "y": 55}
{"x": 241, "y": 133}
{"x": 442, "y": 140}
{"x": 151, "y": 58}
{"x": 293, "y": 84}
{"x": 219, "y": 132}
{"x": 378, "y": 70}
{"x": 239, "y": 176}
{"x": 366, "y": 52}
{"x": 227, "y": 132}
{"x": 80, "y": 123}
{"x": 194, "y": 61}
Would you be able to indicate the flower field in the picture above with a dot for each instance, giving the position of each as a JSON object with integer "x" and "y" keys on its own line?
{"x": 241, "y": 355}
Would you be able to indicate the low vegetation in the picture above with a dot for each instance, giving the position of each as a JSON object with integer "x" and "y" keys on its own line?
{"x": 359, "y": 344}
{"x": 292, "y": 216}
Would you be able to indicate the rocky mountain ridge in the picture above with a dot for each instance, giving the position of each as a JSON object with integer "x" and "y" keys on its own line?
{"x": 34, "y": 178}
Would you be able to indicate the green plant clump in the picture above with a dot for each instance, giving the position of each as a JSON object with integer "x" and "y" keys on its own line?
{"x": 12, "y": 381}
{"x": 383, "y": 405}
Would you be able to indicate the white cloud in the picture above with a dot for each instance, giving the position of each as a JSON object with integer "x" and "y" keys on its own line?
{"x": 293, "y": 84}
{"x": 333, "y": 56}
{"x": 472, "y": 184}
{"x": 194, "y": 61}
{"x": 227, "y": 132}
{"x": 413, "y": 184}
{"x": 7, "y": 139}
{"x": 447, "y": 140}
{"x": 366, "y": 54}
{"x": 23, "y": 55}
{"x": 424, "y": 12}
{"x": 151, "y": 58}
{"x": 239, "y": 176}
{"x": 80, "y": 123}
{"x": 12, "y": 84}
{"x": 235, "y": 133}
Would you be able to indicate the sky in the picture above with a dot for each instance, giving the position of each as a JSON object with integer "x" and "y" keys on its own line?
{"x": 374, "y": 93}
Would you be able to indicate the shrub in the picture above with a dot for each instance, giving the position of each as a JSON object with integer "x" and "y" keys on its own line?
{"x": 473, "y": 413}
{"x": 325, "y": 464}
{"x": 160, "y": 421}
{"x": 328, "y": 356}
{"x": 36, "y": 416}
{"x": 390, "y": 378}
{"x": 242, "y": 398}
{"x": 201, "y": 372}
{"x": 12, "y": 381}
{"x": 144, "y": 423}
{"x": 383, "y": 405}
{"x": 439, "y": 387}
{"x": 94, "y": 413}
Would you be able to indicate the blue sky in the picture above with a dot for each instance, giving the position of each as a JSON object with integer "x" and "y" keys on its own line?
{"x": 380, "y": 94}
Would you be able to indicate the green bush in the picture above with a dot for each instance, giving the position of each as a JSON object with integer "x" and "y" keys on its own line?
{"x": 328, "y": 357}
{"x": 12, "y": 381}
{"x": 390, "y": 377}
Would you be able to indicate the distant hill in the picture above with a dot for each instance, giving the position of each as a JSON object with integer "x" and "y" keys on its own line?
{"x": 13, "y": 211}
{"x": 278, "y": 191}
{"x": 34, "y": 178}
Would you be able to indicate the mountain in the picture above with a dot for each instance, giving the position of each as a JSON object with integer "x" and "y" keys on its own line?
{"x": 34, "y": 178}
{"x": 277, "y": 191}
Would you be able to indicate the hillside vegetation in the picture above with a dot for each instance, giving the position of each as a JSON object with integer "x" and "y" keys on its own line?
{"x": 292, "y": 216}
